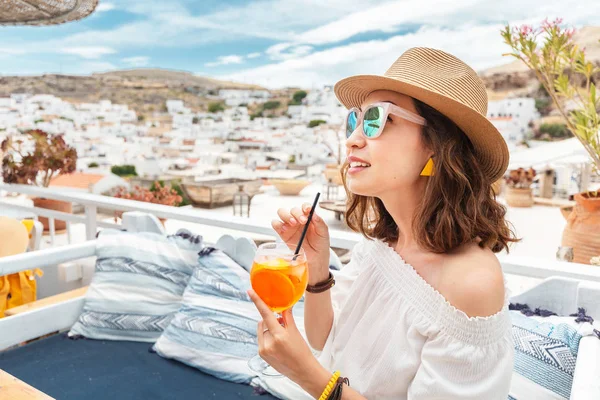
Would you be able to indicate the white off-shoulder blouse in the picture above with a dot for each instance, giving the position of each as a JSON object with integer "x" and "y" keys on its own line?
{"x": 395, "y": 337}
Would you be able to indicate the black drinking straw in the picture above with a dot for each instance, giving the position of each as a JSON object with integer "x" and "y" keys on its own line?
{"x": 310, "y": 215}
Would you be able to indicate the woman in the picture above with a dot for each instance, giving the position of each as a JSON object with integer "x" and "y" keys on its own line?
{"x": 421, "y": 311}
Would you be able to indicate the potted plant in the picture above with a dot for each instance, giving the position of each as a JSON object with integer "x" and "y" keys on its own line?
{"x": 568, "y": 78}
{"x": 158, "y": 193}
{"x": 518, "y": 187}
{"x": 34, "y": 159}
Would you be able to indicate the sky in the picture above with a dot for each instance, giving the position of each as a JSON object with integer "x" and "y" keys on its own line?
{"x": 275, "y": 43}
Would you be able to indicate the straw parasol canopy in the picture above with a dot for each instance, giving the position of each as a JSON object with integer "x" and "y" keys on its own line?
{"x": 44, "y": 12}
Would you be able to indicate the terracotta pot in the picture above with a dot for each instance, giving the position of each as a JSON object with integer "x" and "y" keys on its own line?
{"x": 582, "y": 231}
{"x": 566, "y": 211}
{"x": 56, "y": 205}
{"x": 519, "y": 197}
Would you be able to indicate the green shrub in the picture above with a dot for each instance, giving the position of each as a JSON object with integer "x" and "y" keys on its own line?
{"x": 93, "y": 165}
{"x": 543, "y": 105}
{"x": 555, "y": 130}
{"x": 124, "y": 170}
{"x": 316, "y": 122}
{"x": 216, "y": 107}
{"x": 271, "y": 105}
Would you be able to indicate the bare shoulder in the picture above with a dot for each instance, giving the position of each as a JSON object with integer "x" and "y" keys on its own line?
{"x": 472, "y": 281}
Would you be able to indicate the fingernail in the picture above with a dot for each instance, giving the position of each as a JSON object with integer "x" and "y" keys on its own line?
{"x": 303, "y": 219}
{"x": 293, "y": 221}
{"x": 283, "y": 228}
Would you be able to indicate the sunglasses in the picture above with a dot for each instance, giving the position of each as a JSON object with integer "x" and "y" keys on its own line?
{"x": 374, "y": 118}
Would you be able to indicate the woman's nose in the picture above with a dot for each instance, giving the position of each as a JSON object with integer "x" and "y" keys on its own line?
{"x": 356, "y": 139}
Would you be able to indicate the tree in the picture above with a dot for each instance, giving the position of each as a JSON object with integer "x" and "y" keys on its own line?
{"x": 298, "y": 97}
{"x": 49, "y": 156}
{"x": 93, "y": 165}
{"x": 561, "y": 66}
{"x": 216, "y": 107}
{"x": 141, "y": 117}
{"x": 543, "y": 105}
{"x": 195, "y": 120}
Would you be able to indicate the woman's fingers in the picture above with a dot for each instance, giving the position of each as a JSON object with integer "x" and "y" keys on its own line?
{"x": 298, "y": 214}
{"x": 265, "y": 312}
{"x": 286, "y": 217}
{"x": 260, "y": 334}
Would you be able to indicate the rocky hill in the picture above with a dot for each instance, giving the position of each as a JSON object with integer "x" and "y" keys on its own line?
{"x": 515, "y": 79}
{"x": 145, "y": 90}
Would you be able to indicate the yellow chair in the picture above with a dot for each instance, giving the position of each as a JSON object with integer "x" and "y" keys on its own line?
{"x": 21, "y": 287}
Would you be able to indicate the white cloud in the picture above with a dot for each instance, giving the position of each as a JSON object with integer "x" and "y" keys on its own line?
{"x": 138, "y": 61}
{"x": 225, "y": 60}
{"x": 287, "y": 51}
{"x": 472, "y": 34}
{"x": 104, "y": 6}
{"x": 484, "y": 49}
{"x": 384, "y": 17}
{"x": 253, "y": 55}
{"x": 88, "y": 52}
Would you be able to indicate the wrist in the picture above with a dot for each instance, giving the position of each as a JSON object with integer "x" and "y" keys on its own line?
{"x": 319, "y": 274}
{"x": 315, "y": 379}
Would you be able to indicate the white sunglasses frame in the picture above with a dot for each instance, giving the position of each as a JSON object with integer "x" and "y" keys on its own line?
{"x": 388, "y": 108}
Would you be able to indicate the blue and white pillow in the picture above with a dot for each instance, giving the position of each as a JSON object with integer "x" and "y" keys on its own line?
{"x": 137, "y": 286}
{"x": 215, "y": 329}
{"x": 545, "y": 358}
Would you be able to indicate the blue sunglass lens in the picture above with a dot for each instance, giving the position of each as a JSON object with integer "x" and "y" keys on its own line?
{"x": 373, "y": 121}
{"x": 351, "y": 123}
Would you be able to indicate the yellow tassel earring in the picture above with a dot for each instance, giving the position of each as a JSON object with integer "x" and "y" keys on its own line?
{"x": 428, "y": 170}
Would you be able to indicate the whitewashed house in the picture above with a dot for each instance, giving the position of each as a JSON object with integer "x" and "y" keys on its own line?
{"x": 512, "y": 116}
{"x": 235, "y": 97}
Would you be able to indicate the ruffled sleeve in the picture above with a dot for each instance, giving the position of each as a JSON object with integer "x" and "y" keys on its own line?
{"x": 455, "y": 369}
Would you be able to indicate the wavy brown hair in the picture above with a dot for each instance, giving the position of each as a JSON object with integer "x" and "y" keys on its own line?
{"x": 460, "y": 205}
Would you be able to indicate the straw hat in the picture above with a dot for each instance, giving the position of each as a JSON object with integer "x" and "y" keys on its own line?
{"x": 44, "y": 12}
{"x": 13, "y": 237}
{"x": 445, "y": 83}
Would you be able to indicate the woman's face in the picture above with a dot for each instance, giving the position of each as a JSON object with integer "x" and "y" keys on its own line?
{"x": 395, "y": 158}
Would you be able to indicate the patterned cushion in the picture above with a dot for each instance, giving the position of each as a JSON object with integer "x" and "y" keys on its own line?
{"x": 137, "y": 285}
{"x": 545, "y": 358}
{"x": 215, "y": 329}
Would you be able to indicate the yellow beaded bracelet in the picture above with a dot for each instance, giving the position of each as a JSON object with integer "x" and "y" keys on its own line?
{"x": 330, "y": 386}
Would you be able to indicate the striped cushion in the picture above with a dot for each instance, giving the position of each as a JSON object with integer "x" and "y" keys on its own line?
{"x": 215, "y": 329}
{"x": 545, "y": 358}
{"x": 137, "y": 285}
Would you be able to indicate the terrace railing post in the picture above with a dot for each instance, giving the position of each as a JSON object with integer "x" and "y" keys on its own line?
{"x": 91, "y": 224}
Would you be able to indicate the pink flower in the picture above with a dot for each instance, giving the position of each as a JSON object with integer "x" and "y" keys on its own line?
{"x": 546, "y": 24}
{"x": 570, "y": 32}
{"x": 558, "y": 21}
{"x": 526, "y": 30}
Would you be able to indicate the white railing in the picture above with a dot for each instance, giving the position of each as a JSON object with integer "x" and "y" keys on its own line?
{"x": 522, "y": 266}
{"x": 92, "y": 202}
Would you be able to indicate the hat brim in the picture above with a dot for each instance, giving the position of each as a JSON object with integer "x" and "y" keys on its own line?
{"x": 490, "y": 147}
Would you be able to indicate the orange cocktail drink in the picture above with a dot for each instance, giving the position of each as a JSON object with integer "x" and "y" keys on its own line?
{"x": 278, "y": 277}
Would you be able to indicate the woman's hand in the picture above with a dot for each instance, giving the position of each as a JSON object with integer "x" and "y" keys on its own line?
{"x": 316, "y": 241}
{"x": 284, "y": 348}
